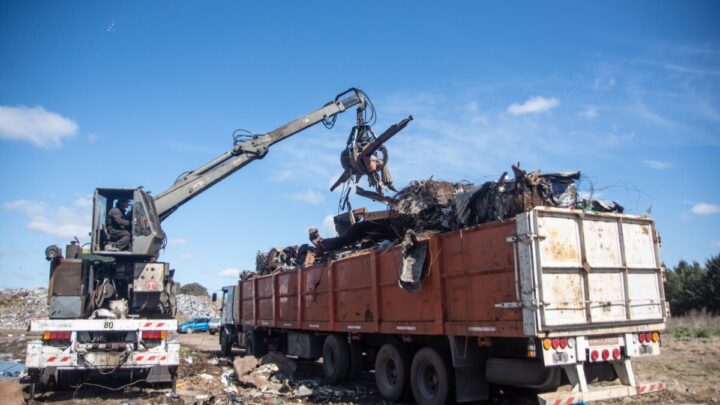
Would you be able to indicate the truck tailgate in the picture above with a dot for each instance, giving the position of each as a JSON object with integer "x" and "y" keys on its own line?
{"x": 587, "y": 270}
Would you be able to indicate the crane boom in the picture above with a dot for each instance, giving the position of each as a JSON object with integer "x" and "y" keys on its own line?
{"x": 242, "y": 153}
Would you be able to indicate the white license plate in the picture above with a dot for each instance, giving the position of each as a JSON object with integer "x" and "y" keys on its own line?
{"x": 560, "y": 357}
{"x": 646, "y": 350}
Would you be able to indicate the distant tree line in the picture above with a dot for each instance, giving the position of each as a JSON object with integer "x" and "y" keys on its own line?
{"x": 193, "y": 289}
{"x": 693, "y": 287}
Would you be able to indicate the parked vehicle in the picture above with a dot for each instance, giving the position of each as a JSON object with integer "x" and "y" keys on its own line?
{"x": 194, "y": 325}
{"x": 551, "y": 295}
{"x": 214, "y": 326}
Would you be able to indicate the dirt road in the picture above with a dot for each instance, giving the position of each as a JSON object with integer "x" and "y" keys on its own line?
{"x": 690, "y": 366}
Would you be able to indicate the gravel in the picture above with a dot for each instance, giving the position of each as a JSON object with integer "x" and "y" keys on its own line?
{"x": 18, "y": 306}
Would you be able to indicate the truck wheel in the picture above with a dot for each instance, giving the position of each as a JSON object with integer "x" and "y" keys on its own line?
{"x": 392, "y": 371}
{"x": 430, "y": 377}
{"x": 255, "y": 346}
{"x": 356, "y": 361}
{"x": 336, "y": 359}
{"x": 225, "y": 343}
{"x": 189, "y": 330}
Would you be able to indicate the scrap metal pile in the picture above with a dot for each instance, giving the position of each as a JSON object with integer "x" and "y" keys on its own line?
{"x": 434, "y": 206}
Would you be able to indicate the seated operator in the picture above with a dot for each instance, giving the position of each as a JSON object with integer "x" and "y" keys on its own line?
{"x": 118, "y": 225}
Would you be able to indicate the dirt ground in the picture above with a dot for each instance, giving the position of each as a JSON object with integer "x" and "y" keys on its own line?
{"x": 689, "y": 365}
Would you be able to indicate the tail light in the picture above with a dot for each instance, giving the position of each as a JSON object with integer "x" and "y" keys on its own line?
{"x": 605, "y": 354}
{"x": 641, "y": 337}
{"x": 154, "y": 334}
{"x": 555, "y": 343}
{"x": 56, "y": 335}
{"x": 655, "y": 337}
{"x": 616, "y": 353}
{"x": 594, "y": 355}
{"x": 546, "y": 344}
{"x": 563, "y": 343}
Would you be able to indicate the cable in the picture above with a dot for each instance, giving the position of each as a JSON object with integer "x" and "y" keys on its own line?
{"x": 242, "y": 135}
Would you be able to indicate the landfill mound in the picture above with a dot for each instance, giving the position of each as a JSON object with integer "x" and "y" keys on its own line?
{"x": 18, "y": 306}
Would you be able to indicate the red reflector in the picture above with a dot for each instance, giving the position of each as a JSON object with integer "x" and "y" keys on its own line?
{"x": 594, "y": 355}
{"x": 151, "y": 334}
{"x": 555, "y": 343}
{"x": 616, "y": 353}
{"x": 59, "y": 336}
{"x": 563, "y": 343}
{"x": 605, "y": 354}
{"x": 641, "y": 337}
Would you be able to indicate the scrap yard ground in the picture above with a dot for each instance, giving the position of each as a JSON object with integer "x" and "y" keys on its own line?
{"x": 690, "y": 364}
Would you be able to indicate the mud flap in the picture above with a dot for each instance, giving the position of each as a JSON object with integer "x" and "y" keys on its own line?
{"x": 159, "y": 374}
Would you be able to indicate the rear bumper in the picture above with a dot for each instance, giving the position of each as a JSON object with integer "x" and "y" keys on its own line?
{"x": 598, "y": 393}
{"x": 40, "y": 356}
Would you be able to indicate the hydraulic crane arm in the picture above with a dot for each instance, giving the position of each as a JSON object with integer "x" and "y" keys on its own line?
{"x": 244, "y": 152}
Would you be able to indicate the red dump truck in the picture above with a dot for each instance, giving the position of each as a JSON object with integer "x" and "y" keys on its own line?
{"x": 549, "y": 298}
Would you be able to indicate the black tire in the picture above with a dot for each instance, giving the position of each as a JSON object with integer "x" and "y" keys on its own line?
{"x": 336, "y": 359}
{"x": 254, "y": 346}
{"x": 212, "y": 332}
{"x": 225, "y": 343}
{"x": 392, "y": 372}
{"x": 356, "y": 361}
{"x": 430, "y": 378}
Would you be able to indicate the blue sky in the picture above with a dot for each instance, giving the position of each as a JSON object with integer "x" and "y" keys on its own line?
{"x": 129, "y": 94}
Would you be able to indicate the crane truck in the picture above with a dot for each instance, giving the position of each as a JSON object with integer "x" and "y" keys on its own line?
{"x": 110, "y": 310}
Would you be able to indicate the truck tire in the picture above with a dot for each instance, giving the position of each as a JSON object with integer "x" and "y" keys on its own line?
{"x": 189, "y": 331}
{"x": 225, "y": 343}
{"x": 255, "y": 346}
{"x": 356, "y": 361}
{"x": 392, "y": 371}
{"x": 336, "y": 359}
{"x": 430, "y": 377}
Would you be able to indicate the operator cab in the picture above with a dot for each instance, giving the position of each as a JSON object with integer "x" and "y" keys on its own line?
{"x": 147, "y": 236}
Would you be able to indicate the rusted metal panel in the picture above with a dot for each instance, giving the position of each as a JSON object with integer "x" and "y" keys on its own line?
{"x": 287, "y": 293}
{"x": 315, "y": 289}
{"x": 66, "y": 277}
{"x": 590, "y": 269}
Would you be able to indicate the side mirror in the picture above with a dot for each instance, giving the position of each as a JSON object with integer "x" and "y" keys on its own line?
{"x": 214, "y": 297}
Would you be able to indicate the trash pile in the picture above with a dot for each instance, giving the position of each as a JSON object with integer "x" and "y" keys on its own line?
{"x": 433, "y": 206}
{"x": 192, "y": 306}
{"x": 18, "y": 306}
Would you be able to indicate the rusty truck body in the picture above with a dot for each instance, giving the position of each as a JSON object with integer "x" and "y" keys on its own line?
{"x": 548, "y": 298}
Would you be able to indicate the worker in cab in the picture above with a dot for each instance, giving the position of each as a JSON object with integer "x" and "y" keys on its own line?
{"x": 118, "y": 225}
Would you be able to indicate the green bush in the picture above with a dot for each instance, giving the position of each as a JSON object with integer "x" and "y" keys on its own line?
{"x": 193, "y": 289}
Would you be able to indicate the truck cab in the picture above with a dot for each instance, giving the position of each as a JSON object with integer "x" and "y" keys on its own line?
{"x": 147, "y": 234}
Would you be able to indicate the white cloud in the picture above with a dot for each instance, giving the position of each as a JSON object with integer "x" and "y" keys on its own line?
{"x": 705, "y": 209}
{"x": 604, "y": 83}
{"x": 229, "y": 273}
{"x": 715, "y": 243}
{"x": 35, "y": 125}
{"x": 60, "y": 222}
{"x": 535, "y": 104}
{"x": 589, "y": 112}
{"x": 656, "y": 164}
{"x": 177, "y": 242}
{"x": 308, "y": 196}
{"x": 327, "y": 228}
